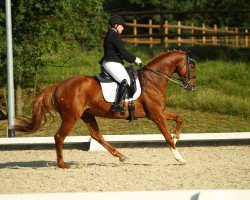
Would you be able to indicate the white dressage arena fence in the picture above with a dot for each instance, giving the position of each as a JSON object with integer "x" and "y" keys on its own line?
{"x": 145, "y": 195}
{"x": 191, "y": 139}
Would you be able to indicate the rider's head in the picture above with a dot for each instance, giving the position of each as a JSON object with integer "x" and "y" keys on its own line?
{"x": 117, "y": 22}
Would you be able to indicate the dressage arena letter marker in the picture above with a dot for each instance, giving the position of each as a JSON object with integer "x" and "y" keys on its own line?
{"x": 96, "y": 146}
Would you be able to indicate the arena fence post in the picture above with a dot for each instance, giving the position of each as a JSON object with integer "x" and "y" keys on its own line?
{"x": 11, "y": 97}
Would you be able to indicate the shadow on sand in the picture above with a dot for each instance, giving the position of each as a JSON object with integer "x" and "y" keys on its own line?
{"x": 31, "y": 164}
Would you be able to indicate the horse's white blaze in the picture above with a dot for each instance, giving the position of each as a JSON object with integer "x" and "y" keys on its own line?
{"x": 178, "y": 156}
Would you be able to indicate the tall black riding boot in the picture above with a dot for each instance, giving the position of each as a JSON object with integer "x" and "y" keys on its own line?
{"x": 117, "y": 107}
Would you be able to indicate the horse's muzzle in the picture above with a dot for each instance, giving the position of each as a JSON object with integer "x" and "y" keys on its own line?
{"x": 189, "y": 87}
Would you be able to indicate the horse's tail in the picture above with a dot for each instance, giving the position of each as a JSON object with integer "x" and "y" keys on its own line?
{"x": 43, "y": 103}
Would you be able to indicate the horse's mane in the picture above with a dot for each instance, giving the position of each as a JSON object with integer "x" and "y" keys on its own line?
{"x": 164, "y": 54}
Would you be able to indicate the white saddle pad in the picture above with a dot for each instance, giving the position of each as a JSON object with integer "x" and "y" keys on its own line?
{"x": 109, "y": 91}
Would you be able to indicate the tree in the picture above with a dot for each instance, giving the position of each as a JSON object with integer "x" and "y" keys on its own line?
{"x": 41, "y": 27}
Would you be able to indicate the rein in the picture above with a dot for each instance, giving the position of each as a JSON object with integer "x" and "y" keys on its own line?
{"x": 162, "y": 74}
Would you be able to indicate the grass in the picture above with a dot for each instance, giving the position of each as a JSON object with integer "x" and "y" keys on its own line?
{"x": 193, "y": 122}
{"x": 220, "y": 102}
{"x": 222, "y": 87}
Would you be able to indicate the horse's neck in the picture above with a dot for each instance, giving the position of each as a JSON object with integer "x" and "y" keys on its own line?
{"x": 166, "y": 67}
{"x": 163, "y": 68}
{"x": 152, "y": 80}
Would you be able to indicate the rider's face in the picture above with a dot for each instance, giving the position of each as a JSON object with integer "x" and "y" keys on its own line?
{"x": 119, "y": 28}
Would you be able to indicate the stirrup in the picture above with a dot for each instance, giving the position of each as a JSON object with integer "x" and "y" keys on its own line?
{"x": 118, "y": 108}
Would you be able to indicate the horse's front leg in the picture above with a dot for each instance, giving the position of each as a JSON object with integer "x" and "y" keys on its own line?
{"x": 93, "y": 128}
{"x": 178, "y": 120}
{"x": 161, "y": 122}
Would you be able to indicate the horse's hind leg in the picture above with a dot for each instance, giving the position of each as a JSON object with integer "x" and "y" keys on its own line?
{"x": 95, "y": 134}
{"x": 178, "y": 120}
{"x": 61, "y": 134}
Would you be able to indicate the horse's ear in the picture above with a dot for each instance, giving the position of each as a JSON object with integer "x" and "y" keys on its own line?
{"x": 191, "y": 60}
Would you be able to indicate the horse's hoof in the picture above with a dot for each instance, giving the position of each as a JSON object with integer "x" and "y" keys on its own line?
{"x": 123, "y": 159}
{"x": 64, "y": 166}
{"x": 183, "y": 162}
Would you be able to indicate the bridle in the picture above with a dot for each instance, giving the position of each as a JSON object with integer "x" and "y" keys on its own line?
{"x": 186, "y": 81}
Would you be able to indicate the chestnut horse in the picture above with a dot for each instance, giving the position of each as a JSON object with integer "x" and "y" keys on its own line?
{"x": 81, "y": 97}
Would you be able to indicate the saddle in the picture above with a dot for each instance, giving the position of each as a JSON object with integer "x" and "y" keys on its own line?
{"x": 104, "y": 77}
{"x": 109, "y": 88}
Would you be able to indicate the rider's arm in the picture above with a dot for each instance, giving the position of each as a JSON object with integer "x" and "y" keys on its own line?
{"x": 117, "y": 41}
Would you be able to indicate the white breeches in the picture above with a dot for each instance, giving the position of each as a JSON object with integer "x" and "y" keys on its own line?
{"x": 117, "y": 71}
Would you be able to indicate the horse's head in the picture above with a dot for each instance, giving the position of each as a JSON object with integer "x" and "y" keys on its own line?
{"x": 174, "y": 61}
{"x": 186, "y": 70}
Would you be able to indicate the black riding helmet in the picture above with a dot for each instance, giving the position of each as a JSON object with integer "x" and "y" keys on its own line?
{"x": 116, "y": 19}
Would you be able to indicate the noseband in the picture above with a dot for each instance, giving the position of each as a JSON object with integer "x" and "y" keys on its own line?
{"x": 185, "y": 80}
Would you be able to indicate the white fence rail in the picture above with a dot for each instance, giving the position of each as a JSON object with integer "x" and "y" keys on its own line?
{"x": 145, "y": 195}
{"x": 131, "y": 138}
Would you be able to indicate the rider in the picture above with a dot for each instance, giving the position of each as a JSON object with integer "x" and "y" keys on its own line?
{"x": 112, "y": 61}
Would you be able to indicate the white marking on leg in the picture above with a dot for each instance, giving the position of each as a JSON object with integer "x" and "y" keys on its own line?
{"x": 175, "y": 139}
{"x": 178, "y": 156}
